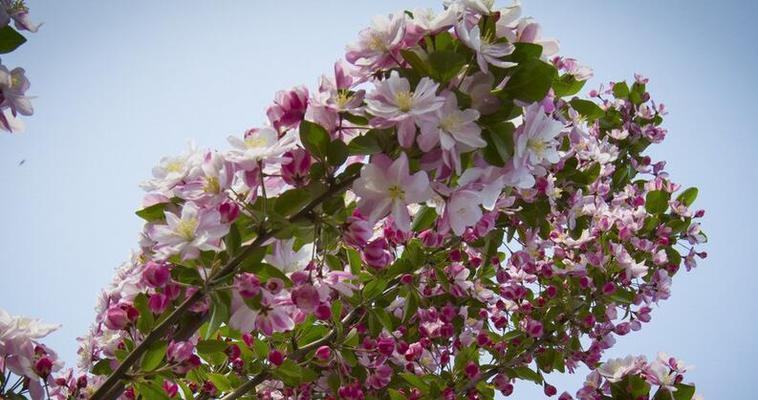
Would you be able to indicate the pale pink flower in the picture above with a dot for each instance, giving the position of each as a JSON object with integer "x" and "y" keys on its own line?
{"x": 258, "y": 145}
{"x": 487, "y": 51}
{"x": 194, "y": 231}
{"x": 536, "y": 139}
{"x": 377, "y": 44}
{"x": 284, "y": 257}
{"x": 386, "y": 187}
{"x": 616, "y": 369}
{"x": 450, "y": 126}
{"x": 393, "y": 103}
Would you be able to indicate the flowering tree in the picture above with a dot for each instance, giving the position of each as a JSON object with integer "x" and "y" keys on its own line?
{"x": 442, "y": 218}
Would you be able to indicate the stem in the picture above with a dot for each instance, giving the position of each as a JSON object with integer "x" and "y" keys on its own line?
{"x": 109, "y": 390}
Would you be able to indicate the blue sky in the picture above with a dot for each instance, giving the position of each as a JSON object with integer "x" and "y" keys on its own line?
{"x": 120, "y": 84}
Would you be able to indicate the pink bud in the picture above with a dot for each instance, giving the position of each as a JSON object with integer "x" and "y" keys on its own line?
{"x": 248, "y": 285}
{"x": 306, "y": 298}
{"x": 229, "y": 211}
{"x": 471, "y": 370}
{"x": 289, "y": 108}
{"x": 376, "y": 254}
{"x": 357, "y": 230}
{"x": 276, "y": 357}
{"x": 534, "y": 328}
{"x": 296, "y": 167}
{"x": 43, "y": 367}
{"x": 609, "y": 288}
{"x": 170, "y": 388}
{"x": 178, "y": 352}
{"x": 323, "y": 353}
{"x": 158, "y": 303}
{"x": 550, "y": 390}
{"x": 156, "y": 275}
{"x": 323, "y": 312}
{"x": 116, "y": 318}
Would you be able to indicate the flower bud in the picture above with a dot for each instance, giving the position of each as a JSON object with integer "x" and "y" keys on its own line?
{"x": 323, "y": 353}
{"x": 296, "y": 167}
{"x": 248, "y": 285}
{"x": 158, "y": 302}
{"x": 376, "y": 254}
{"x": 229, "y": 211}
{"x": 276, "y": 357}
{"x": 357, "y": 230}
{"x": 156, "y": 275}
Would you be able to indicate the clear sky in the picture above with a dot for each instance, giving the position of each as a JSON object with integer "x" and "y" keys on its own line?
{"x": 120, "y": 84}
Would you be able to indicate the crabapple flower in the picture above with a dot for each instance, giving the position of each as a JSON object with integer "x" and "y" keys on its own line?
{"x": 462, "y": 210}
{"x": 173, "y": 170}
{"x": 487, "y": 50}
{"x": 535, "y": 141}
{"x": 262, "y": 144}
{"x": 378, "y": 44}
{"x": 194, "y": 231}
{"x": 288, "y": 108}
{"x": 615, "y": 369}
{"x": 393, "y": 102}
{"x": 13, "y": 87}
{"x": 455, "y": 130}
{"x": 386, "y": 187}
{"x": 287, "y": 259}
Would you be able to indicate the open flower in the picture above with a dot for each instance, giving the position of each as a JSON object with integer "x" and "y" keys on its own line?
{"x": 258, "y": 145}
{"x": 386, "y": 187}
{"x": 394, "y": 103}
{"x": 194, "y": 231}
{"x": 535, "y": 140}
{"x": 488, "y": 51}
{"x": 455, "y": 130}
{"x": 377, "y": 44}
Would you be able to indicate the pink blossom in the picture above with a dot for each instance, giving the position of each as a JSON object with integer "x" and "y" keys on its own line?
{"x": 487, "y": 51}
{"x": 394, "y": 104}
{"x": 195, "y": 230}
{"x": 289, "y": 108}
{"x": 387, "y": 187}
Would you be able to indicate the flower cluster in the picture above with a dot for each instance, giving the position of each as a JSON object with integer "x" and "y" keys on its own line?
{"x": 443, "y": 217}
{"x": 21, "y": 354}
{"x": 13, "y": 83}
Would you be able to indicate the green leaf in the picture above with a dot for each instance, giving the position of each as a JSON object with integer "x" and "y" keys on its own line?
{"x": 219, "y": 312}
{"x": 337, "y": 153}
{"x": 657, "y": 201}
{"x": 445, "y": 64}
{"x": 150, "y": 390}
{"x": 531, "y": 80}
{"x": 365, "y": 144}
{"x": 567, "y": 85}
{"x": 153, "y": 213}
{"x": 102, "y": 368}
{"x": 396, "y": 395}
{"x": 373, "y": 288}
{"x": 154, "y": 356}
{"x": 588, "y": 109}
{"x": 221, "y": 382}
{"x": 621, "y": 90}
{"x": 210, "y": 346}
{"x": 418, "y": 64}
{"x": 411, "y": 306}
{"x": 291, "y": 201}
{"x": 233, "y": 240}
{"x": 528, "y": 374}
{"x": 315, "y": 138}
{"x": 499, "y": 138}
{"x": 623, "y": 296}
{"x": 684, "y": 392}
{"x": 688, "y": 196}
{"x": 10, "y": 39}
{"x": 264, "y": 272}
{"x": 415, "y": 381}
{"x": 354, "y": 259}
{"x": 524, "y": 51}
{"x": 146, "y": 319}
{"x": 424, "y": 219}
